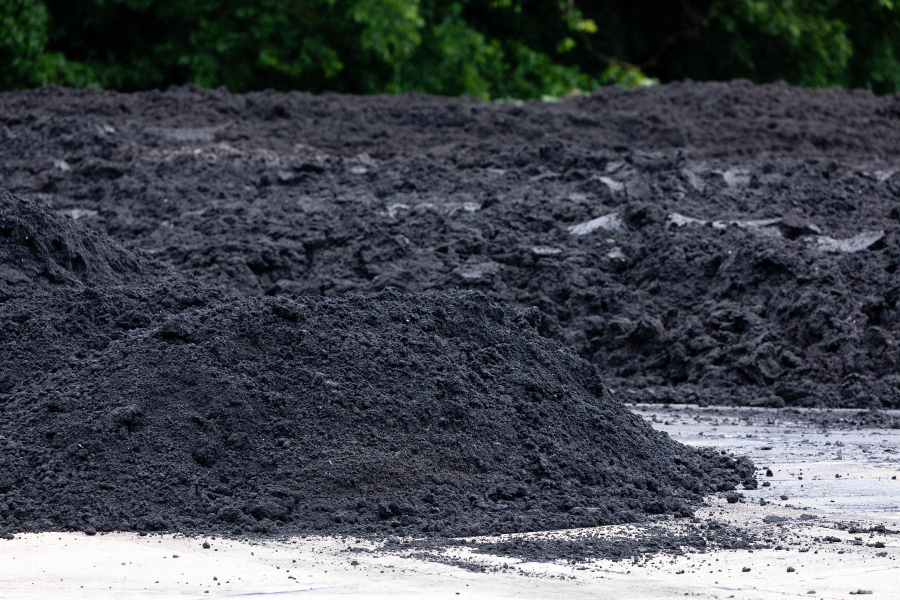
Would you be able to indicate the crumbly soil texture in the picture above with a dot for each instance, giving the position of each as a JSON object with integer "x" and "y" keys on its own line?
{"x": 135, "y": 398}
{"x": 710, "y": 243}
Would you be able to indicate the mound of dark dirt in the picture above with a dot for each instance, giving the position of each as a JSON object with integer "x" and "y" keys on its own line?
{"x": 170, "y": 406}
{"x": 712, "y": 243}
{"x": 66, "y": 290}
{"x": 40, "y": 249}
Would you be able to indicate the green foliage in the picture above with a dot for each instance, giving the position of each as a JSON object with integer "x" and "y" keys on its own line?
{"x": 362, "y": 46}
{"x": 812, "y": 43}
{"x": 484, "y": 48}
{"x": 24, "y": 61}
{"x": 23, "y": 35}
{"x": 873, "y": 28}
{"x": 815, "y": 43}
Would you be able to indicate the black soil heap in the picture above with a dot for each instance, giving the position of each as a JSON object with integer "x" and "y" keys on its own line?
{"x": 134, "y": 400}
{"x": 39, "y": 250}
{"x": 697, "y": 242}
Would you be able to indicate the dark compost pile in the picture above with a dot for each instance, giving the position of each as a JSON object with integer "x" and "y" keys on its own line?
{"x": 709, "y": 243}
{"x": 134, "y": 398}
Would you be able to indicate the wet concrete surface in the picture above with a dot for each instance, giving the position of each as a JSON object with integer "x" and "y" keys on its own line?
{"x": 839, "y": 472}
{"x": 831, "y": 521}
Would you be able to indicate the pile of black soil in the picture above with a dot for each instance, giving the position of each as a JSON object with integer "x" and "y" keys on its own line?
{"x": 709, "y": 243}
{"x": 39, "y": 251}
{"x": 135, "y": 400}
{"x": 66, "y": 290}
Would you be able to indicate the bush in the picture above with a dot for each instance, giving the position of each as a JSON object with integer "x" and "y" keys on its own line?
{"x": 23, "y": 56}
{"x": 485, "y": 48}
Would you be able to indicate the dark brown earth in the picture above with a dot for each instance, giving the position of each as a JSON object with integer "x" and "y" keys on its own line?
{"x": 135, "y": 399}
{"x": 749, "y": 252}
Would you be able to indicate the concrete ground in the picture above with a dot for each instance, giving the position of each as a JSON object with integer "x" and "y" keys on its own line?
{"x": 836, "y": 520}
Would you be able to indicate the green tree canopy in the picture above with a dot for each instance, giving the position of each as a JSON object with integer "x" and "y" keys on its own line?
{"x": 486, "y": 48}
